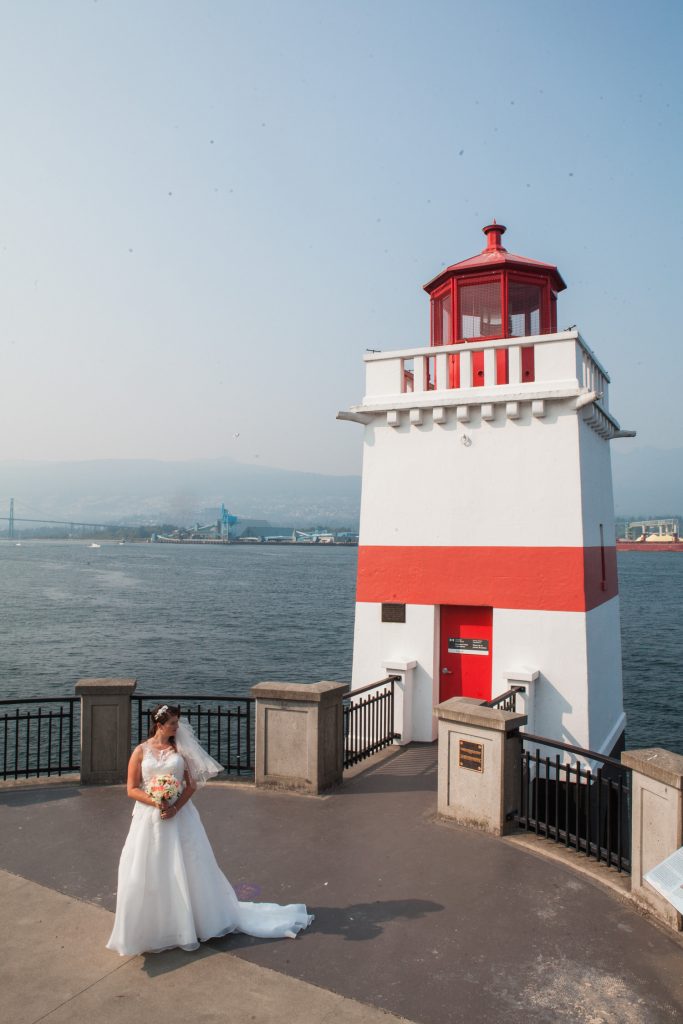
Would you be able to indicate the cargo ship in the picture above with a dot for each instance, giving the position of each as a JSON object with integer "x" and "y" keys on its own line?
{"x": 651, "y": 535}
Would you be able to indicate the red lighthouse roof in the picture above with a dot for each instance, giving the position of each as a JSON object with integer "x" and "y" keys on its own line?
{"x": 496, "y": 257}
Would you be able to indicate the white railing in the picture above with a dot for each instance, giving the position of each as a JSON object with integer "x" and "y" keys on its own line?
{"x": 560, "y": 360}
{"x": 593, "y": 375}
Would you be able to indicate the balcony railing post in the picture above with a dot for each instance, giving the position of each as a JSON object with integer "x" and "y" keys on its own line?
{"x": 465, "y": 368}
{"x": 420, "y": 376}
{"x": 490, "y": 368}
{"x": 442, "y": 374}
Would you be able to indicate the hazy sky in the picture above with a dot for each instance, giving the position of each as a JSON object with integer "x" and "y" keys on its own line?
{"x": 209, "y": 210}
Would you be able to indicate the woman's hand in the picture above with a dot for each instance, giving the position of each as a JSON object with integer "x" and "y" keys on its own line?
{"x": 170, "y": 810}
{"x": 167, "y": 810}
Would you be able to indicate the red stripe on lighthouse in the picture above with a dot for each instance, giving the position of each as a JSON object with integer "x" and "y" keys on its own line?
{"x": 545, "y": 579}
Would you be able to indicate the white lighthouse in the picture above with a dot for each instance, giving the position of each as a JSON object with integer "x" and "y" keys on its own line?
{"x": 487, "y": 545}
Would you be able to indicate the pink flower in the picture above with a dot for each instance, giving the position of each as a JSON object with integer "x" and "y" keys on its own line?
{"x": 164, "y": 787}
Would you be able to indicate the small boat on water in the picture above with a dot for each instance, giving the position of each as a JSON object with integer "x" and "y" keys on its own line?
{"x": 94, "y": 545}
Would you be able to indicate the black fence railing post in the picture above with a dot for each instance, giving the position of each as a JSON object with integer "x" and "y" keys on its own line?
{"x": 223, "y": 725}
{"x": 588, "y": 810}
{"x": 32, "y": 740}
{"x": 46, "y": 740}
{"x": 368, "y": 720}
{"x": 505, "y": 701}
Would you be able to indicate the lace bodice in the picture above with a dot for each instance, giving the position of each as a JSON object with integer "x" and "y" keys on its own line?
{"x": 161, "y": 762}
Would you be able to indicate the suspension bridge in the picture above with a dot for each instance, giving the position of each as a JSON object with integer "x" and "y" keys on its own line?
{"x": 220, "y": 528}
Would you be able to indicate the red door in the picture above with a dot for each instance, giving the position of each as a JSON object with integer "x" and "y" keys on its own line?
{"x": 466, "y": 652}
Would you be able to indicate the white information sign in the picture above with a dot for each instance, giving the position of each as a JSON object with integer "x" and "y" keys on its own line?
{"x": 667, "y": 879}
{"x": 463, "y": 645}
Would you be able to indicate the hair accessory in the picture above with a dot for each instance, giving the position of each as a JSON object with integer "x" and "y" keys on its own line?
{"x": 162, "y": 710}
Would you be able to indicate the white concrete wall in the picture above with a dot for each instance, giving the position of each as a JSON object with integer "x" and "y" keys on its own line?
{"x": 577, "y": 697}
{"x": 413, "y": 640}
{"x": 517, "y": 484}
{"x": 555, "y": 644}
{"x": 605, "y": 691}
{"x": 596, "y": 486}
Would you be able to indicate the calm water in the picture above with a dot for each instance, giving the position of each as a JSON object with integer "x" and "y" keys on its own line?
{"x": 216, "y": 620}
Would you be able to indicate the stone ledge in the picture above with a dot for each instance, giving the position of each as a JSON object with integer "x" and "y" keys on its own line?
{"x": 521, "y": 675}
{"x": 99, "y": 687}
{"x": 470, "y": 711}
{"x": 67, "y": 779}
{"x": 324, "y": 692}
{"x": 656, "y": 763}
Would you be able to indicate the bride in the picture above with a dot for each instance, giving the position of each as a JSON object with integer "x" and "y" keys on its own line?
{"x": 171, "y": 891}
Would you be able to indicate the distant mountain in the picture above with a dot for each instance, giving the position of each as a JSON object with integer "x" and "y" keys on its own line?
{"x": 113, "y": 490}
{"x": 648, "y": 482}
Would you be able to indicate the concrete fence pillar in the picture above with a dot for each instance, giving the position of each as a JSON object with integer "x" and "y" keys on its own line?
{"x": 656, "y": 823}
{"x": 403, "y": 697}
{"x": 479, "y": 757}
{"x": 299, "y": 735}
{"x": 527, "y": 678}
{"x": 105, "y": 729}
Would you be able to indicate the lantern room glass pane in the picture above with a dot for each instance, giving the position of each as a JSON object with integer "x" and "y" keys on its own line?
{"x": 480, "y": 315}
{"x": 443, "y": 313}
{"x": 524, "y": 309}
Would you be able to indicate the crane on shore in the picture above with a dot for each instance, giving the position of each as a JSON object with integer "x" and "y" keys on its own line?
{"x": 217, "y": 532}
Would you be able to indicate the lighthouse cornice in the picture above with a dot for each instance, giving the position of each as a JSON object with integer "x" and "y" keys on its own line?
{"x": 470, "y": 397}
{"x": 519, "y": 372}
{"x": 486, "y": 404}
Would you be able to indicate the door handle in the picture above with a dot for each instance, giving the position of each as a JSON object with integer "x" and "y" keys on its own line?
{"x": 446, "y": 672}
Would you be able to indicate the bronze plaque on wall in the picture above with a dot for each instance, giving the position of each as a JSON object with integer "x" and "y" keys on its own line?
{"x": 393, "y": 613}
{"x": 471, "y": 755}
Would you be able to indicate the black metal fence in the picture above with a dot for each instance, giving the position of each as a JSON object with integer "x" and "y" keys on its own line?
{"x": 39, "y": 736}
{"x": 223, "y": 725}
{"x": 506, "y": 701}
{"x": 369, "y": 720}
{"x": 573, "y": 802}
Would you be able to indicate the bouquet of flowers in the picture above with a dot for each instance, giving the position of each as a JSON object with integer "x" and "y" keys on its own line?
{"x": 164, "y": 787}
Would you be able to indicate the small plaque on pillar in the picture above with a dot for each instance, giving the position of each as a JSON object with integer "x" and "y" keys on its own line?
{"x": 471, "y": 755}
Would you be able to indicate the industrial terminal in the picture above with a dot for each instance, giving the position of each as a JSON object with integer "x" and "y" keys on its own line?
{"x": 230, "y": 529}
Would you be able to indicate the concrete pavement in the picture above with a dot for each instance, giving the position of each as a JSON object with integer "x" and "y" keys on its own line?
{"x": 54, "y": 968}
{"x": 414, "y": 918}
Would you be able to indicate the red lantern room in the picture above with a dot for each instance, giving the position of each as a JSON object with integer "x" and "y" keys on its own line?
{"x": 496, "y": 294}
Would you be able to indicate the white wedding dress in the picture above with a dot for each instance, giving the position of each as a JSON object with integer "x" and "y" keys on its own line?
{"x": 171, "y": 891}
